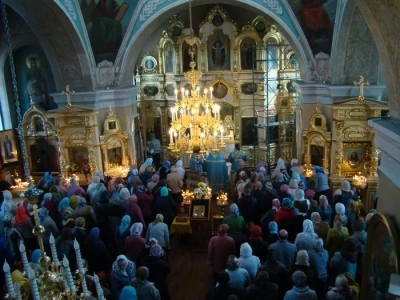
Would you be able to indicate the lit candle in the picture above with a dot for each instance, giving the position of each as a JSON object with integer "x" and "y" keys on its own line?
{"x": 176, "y": 140}
{"x": 9, "y": 283}
{"x": 222, "y": 133}
{"x": 172, "y": 109}
{"x": 170, "y": 136}
{"x": 24, "y": 257}
{"x": 70, "y": 280}
{"x": 54, "y": 250}
{"x": 99, "y": 289}
{"x": 190, "y": 129}
{"x": 17, "y": 288}
{"x": 34, "y": 286}
{"x": 78, "y": 255}
{"x": 176, "y": 95}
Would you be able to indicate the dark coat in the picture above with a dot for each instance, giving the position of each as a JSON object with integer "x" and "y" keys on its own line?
{"x": 158, "y": 270}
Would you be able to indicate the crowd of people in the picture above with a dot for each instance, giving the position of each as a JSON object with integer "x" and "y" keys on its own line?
{"x": 122, "y": 228}
{"x": 281, "y": 240}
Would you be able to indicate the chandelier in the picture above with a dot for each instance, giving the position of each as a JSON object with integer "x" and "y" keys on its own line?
{"x": 196, "y": 120}
{"x": 360, "y": 181}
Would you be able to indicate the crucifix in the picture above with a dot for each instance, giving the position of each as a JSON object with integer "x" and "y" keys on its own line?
{"x": 68, "y": 93}
{"x": 110, "y": 113}
{"x": 361, "y": 83}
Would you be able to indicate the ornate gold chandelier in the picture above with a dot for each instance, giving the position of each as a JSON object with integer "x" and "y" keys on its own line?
{"x": 196, "y": 121}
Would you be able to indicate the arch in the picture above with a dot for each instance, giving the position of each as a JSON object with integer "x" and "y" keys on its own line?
{"x": 140, "y": 31}
{"x": 71, "y": 64}
{"x": 383, "y": 20}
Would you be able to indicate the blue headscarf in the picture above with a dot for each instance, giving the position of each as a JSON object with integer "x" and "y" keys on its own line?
{"x": 128, "y": 292}
{"x": 287, "y": 203}
{"x": 141, "y": 188}
{"x": 273, "y": 227}
{"x": 166, "y": 164}
{"x": 47, "y": 177}
{"x": 318, "y": 169}
{"x": 65, "y": 203}
{"x": 234, "y": 210}
{"x": 35, "y": 256}
{"x": 94, "y": 236}
{"x": 164, "y": 191}
{"x": 125, "y": 222}
{"x": 43, "y": 213}
{"x": 81, "y": 202}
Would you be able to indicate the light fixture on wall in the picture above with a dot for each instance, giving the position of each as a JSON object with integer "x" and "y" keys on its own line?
{"x": 196, "y": 120}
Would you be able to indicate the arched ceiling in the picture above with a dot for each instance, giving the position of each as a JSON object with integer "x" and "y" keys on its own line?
{"x": 383, "y": 19}
{"x": 148, "y": 19}
{"x": 69, "y": 61}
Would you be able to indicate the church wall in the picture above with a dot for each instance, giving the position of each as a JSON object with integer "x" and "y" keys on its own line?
{"x": 389, "y": 197}
{"x": 21, "y": 61}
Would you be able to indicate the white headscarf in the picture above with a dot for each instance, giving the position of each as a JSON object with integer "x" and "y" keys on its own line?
{"x": 147, "y": 163}
{"x": 116, "y": 268}
{"x": 179, "y": 168}
{"x": 280, "y": 164}
{"x": 137, "y": 229}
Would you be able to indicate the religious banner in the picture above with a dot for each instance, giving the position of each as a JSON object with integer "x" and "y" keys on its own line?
{"x": 8, "y": 147}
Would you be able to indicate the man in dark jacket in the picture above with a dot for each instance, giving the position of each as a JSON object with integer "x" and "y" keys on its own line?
{"x": 223, "y": 291}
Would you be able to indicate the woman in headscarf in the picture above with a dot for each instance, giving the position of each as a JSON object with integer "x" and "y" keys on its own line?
{"x": 166, "y": 206}
{"x": 248, "y": 261}
{"x": 180, "y": 170}
{"x": 303, "y": 264}
{"x": 146, "y": 170}
{"x": 301, "y": 203}
{"x": 318, "y": 258}
{"x": 238, "y": 277}
{"x": 65, "y": 246}
{"x": 159, "y": 230}
{"x": 146, "y": 251}
{"x": 24, "y": 225}
{"x": 276, "y": 270}
{"x": 121, "y": 233}
{"x": 336, "y": 236}
{"x": 321, "y": 183}
{"x": 235, "y": 222}
{"x": 273, "y": 230}
{"x": 340, "y": 210}
{"x": 305, "y": 240}
{"x": 96, "y": 252}
{"x": 65, "y": 206}
{"x": 280, "y": 169}
{"x": 133, "y": 210}
{"x": 259, "y": 246}
{"x": 320, "y": 228}
{"x": 92, "y": 186}
{"x": 144, "y": 288}
{"x": 262, "y": 286}
{"x": 86, "y": 211}
{"x": 128, "y": 292}
{"x": 34, "y": 264}
{"x": 324, "y": 209}
{"x": 8, "y": 208}
{"x": 164, "y": 169}
{"x": 123, "y": 271}
{"x": 269, "y": 216}
{"x": 50, "y": 228}
{"x": 158, "y": 268}
{"x": 74, "y": 188}
{"x": 12, "y": 238}
{"x": 61, "y": 190}
{"x": 79, "y": 232}
{"x": 154, "y": 180}
{"x": 116, "y": 209}
{"x": 131, "y": 177}
{"x": 345, "y": 260}
{"x": 144, "y": 200}
{"x": 287, "y": 211}
{"x": 341, "y": 290}
{"x": 157, "y": 189}
{"x": 101, "y": 175}
{"x": 293, "y": 187}
{"x": 134, "y": 243}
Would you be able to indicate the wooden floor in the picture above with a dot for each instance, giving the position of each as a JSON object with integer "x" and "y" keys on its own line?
{"x": 190, "y": 276}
